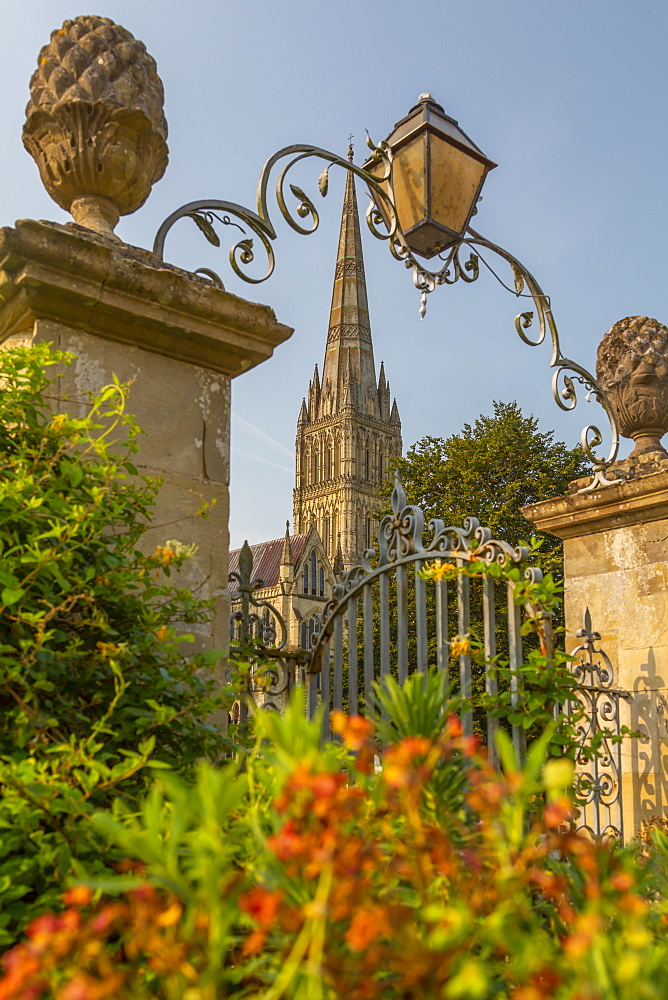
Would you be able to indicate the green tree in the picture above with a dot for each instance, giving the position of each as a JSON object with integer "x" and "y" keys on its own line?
{"x": 96, "y": 684}
{"x": 491, "y": 470}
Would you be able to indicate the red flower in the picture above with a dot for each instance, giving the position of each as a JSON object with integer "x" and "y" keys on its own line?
{"x": 261, "y": 905}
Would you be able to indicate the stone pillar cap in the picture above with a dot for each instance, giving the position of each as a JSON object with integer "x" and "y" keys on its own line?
{"x": 69, "y": 276}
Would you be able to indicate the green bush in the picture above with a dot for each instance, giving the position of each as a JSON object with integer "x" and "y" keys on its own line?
{"x": 95, "y": 687}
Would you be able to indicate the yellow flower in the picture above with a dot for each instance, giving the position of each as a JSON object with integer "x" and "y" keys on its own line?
{"x": 460, "y": 646}
{"x": 441, "y": 570}
{"x": 161, "y": 634}
{"x": 57, "y": 422}
{"x": 107, "y": 648}
{"x": 164, "y": 554}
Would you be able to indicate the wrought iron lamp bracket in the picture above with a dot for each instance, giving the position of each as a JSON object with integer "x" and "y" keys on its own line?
{"x": 382, "y": 220}
{"x": 566, "y": 371}
{"x": 205, "y": 213}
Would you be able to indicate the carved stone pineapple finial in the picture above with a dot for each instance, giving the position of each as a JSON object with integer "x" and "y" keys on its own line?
{"x": 95, "y": 123}
{"x": 632, "y": 368}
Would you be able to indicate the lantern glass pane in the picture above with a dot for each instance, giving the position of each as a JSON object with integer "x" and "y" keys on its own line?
{"x": 408, "y": 178}
{"x": 455, "y": 178}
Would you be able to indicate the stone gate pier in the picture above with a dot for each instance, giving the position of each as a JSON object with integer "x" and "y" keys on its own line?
{"x": 616, "y": 559}
{"x": 95, "y": 127}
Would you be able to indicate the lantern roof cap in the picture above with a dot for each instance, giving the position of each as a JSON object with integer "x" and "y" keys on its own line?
{"x": 428, "y": 114}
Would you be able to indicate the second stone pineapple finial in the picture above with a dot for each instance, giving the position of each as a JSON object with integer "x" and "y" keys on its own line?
{"x": 95, "y": 122}
{"x": 632, "y": 367}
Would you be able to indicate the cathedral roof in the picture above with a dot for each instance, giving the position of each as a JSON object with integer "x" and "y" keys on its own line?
{"x": 267, "y": 559}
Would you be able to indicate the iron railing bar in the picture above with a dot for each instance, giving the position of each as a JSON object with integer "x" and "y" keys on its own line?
{"x": 515, "y": 660}
{"x": 353, "y": 702}
{"x": 463, "y": 626}
{"x": 368, "y": 645}
{"x": 384, "y": 599}
{"x": 402, "y": 624}
{"x": 491, "y": 683}
{"x": 324, "y": 689}
{"x": 442, "y": 648}
{"x": 337, "y": 699}
{"x": 312, "y": 693}
{"x": 421, "y": 618}
{"x": 619, "y": 800}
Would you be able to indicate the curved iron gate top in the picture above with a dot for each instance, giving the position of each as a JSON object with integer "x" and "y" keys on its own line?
{"x": 402, "y": 547}
{"x": 400, "y": 541}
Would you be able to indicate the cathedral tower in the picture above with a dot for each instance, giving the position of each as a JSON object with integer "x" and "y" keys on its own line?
{"x": 347, "y": 429}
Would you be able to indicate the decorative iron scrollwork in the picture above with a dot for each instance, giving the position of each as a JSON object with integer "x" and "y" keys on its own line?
{"x": 598, "y": 779}
{"x": 383, "y": 222}
{"x": 401, "y": 540}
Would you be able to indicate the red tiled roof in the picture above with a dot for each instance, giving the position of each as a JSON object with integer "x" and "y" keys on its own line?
{"x": 267, "y": 559}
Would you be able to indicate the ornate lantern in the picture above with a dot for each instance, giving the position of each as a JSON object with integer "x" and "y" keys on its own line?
{"x": 437, "y": 175}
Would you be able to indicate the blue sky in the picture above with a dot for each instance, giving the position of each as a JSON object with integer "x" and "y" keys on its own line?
{"x": 568, "y": 98}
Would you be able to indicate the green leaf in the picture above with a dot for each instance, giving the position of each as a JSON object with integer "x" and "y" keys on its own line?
{"x": 75, "y": 475}
{"x": 11, "y": 595}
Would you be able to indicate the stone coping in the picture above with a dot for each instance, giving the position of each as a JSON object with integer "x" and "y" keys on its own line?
{"x": 626, "y": 502}
{"x": 70, "y": 276}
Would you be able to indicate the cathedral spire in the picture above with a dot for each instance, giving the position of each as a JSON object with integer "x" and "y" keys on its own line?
{"x": 349, "y": 349}
{"x": 348, "y": 432}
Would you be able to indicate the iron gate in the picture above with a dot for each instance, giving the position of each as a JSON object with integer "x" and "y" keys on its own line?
{"x": 384, "y": 617}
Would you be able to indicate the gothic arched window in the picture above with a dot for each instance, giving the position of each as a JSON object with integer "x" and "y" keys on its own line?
{"x": 367, "y": 532}
{"x": 322, "y": 582}
{"x": 314, "y": 578}
{"x": 305, "y": 587}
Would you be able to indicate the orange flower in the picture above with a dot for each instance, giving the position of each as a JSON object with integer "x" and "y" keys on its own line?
{"x": 622, "y": 881}
{"x": 169, "y": 916}
{"x": 454, "y": 727}
{"x": 355, "y": 729}
{"x": 80, "y": 895}
{"x": 558, "y": 812}
{"x": 399, "y": 765}
{"x": 441, "y": 570}
{"x": 369, "y": 922}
